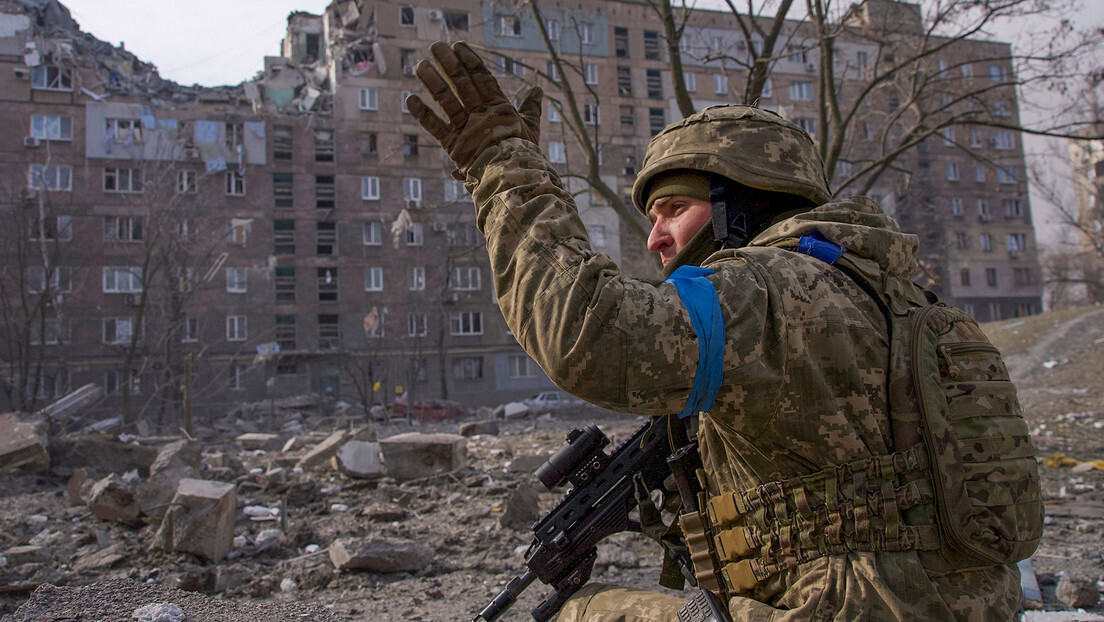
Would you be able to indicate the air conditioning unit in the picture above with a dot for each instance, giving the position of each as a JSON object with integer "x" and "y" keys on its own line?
{"x": 435, "y": 15}
{"x": 30, "y": 141}
{"x": 439, "y": 227}
{"x": 22, "y": 72}
{"x": 414, "y": 204}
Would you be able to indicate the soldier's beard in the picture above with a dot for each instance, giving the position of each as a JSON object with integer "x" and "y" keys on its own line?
{"x": 701, "y": 246}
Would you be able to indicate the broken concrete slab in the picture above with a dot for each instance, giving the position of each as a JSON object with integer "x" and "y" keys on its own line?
{"x": 200, "y": 519}
{"x": 104, "y": 558}
{"x": 325, "y": 450}
{"x": 112, "y": 498}
{"x": 1077, "y": 593}
{"x": 415, "y": 455}
{"x": 156, "y": 493}
{"x": 253, "y": 441}
{"x": 75, "y": 486}
{"x": 27, "y": 554}
{"x": 379, "y": 555}
{"x": 182, "y": 454}
{"x": 522, "y": 508}
{"x": 72, "y": 403}
{"x": 23, "y": 444}
{"x": 359, "y": 459}
{"x": 228, "y": 578}
{"x": 99, "y": 455}
{"x": 489, "y": 426}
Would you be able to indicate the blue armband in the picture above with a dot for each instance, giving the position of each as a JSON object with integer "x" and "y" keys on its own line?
{"x": 701, "y": 301}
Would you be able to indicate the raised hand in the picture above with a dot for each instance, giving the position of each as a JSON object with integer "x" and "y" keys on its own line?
{"x": 479, "y": 115}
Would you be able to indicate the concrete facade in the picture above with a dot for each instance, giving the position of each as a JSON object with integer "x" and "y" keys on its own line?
{"x": 299, "y": 233}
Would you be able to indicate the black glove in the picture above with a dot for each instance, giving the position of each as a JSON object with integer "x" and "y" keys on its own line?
{"x": 479, "y": 115}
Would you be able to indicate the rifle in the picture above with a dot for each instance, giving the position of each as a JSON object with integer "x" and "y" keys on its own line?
{"x": 565, "y": 540}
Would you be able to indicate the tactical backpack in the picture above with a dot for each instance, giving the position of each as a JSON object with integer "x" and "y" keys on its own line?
{"x": 950, "y": 392}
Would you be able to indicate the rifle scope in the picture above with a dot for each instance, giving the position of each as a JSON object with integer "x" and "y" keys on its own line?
{"x": 577, "y": 460}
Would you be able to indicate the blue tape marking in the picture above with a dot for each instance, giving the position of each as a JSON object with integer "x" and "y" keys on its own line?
{"x": 816, "y": 246}
{"x": 701, "y": 301}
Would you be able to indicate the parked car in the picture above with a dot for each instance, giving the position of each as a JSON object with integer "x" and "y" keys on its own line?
{"x": 430, "y": 409}
{"x": 550, "y": 400}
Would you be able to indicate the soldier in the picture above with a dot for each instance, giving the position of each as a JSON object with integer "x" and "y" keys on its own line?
{"x": 779, "y": 358}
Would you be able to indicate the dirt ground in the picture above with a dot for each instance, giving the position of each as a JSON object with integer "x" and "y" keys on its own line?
{"x": 103, "y": 570}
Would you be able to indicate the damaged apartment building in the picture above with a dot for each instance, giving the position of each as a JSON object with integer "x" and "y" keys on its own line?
{"x": 186, "y": 247}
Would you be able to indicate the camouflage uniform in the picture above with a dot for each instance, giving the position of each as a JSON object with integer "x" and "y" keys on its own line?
{"x": 804, "y": 376}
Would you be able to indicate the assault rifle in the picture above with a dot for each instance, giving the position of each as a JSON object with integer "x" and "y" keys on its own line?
{"x": 598, "y": 505}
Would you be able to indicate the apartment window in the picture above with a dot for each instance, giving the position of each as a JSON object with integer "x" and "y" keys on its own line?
{"x": 628, "y": 118}
{"x": 53, "y": 384}
{"x": 983, "y": 210}
{"x": 122, "y": 229}
{"x": 953, "y": 172}
{"x": 122, "y": 180}
{"x": 50, "y": 78}
{"x": 329, "y": 331}
{"x": 285, "y": 332}
{"x": 868, "y": 130}
{"x": 410, "y": 144}
{"x": 1004, "y": 140}
{"x": 455, "y": 191}
{"x": 624, "y": 81}
{"x": 808, "y": 124}
{"x": 551, "y": 71}
{"x": 986, "y": 241}
{"x": 1011, "y": 208}
{"x": 553, "y": 113}
{"x": 236, "y": 380}
{"x": 285, "y": 284}
{"x": 621, "y": 41}
{"x": 124, "y": 280}
{"x": 586, "y": 33}
{"x": 801, "y": 91}
{"x": 402, "y": 101}
{"x": 51, "y": 228}
{"x": 466, "y": 323}
{"x": 590, "y": 73}
{"x": 651, "y": 45}
{"x": 553, "y": 28}
{"x": 979, "y": 173}
{"x": 236, "y": 328}
{"x": 556, "y": 153}
{"x": 464, "y": 235}
{"x": 467, "y": 278}
{"x": 1008, "y": 175}
{"x": 327, "y": 284}
{"x": 187, "y": 182}
{"x": 324, "y": 192}
{"x": 236, "y": 280}
{"x": 368, "y": 144}
{"x": 691, "y": 81}
{"x": 117, "y": 330}
{"x": 467, "y": 368}
{"x": 282, "y": 142}
{"x": 655, "y": 83}
{"x": 416, "y": 325}
{"x": 61, "y": 280}
{"x": 407, "y": 59}
{"x": 414, "y": 235}
{"x": 283, "y": 237}
{"x": 456, "y": 20}
{"x": 956, "y": 206}
{"x": 1021, "y": 276}
{"x": 1002, "y": 108}
{"x": 406, "y": 15}
{"x": 283, "y": 190}
{"x": 369, "y": 99}
{"x": 373, "y": 279}
{"x": 189, "y": 329}
{"x": 991, "y": 277}
{"x": 370, "y": 188}
{"x": 113, "y": 383}
{"x": 417, "y": 278}
{"x": 948, "y": 136}
{"x": 975, "y": 139}
{"x": 768, "y": 89}
{"x": 590, "y": 113}
{"x": 1016, "y": 243}
{"x": 656, "y": 120}
{"x": 861, "y": 59}
{"x": 412, "y": 190}
{"x": 323, "y": 146}
{"x": 235, "y": 184}
{"x": 996, "y": 73}
{"x": 238, "y": 232}
{"x": 509, "y": 26}
{"x": 505, "y": 65}
{"x": 521, "y": 366}
{"x": 961, "y": 240}
{"x": 325, "y": 237}
{"x": 235, "y": 135}
{"x": 51, "y": 127}
{"x": 720, "y": 84}
{"x": 964, "y": 277}
{"x": 372, "y": 233}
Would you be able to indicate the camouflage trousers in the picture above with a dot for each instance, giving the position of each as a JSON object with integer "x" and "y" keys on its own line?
{"x": 858, "y": 586}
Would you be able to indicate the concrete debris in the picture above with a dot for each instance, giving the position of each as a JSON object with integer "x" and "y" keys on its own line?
{"x": 321, "y": 453}
{"x": 113, "y": 499}
{"x": 182, "y": 454}
{"x": 72, "y": 404}
{"x": 200, "y": 520}
{"x": 522, "y": 508}
{"x": 99, "y": 456}
{"x": 155, "y": 494}
{"x": 252, "y": 441}
{"x": 1077, "y": 593}
{"x": 23, "y": 444}
{"x": 159, "y": 612}
{"x": 487, "y": 426}
{"x": 382, "y": 555}
{"x": 359, "y": 459}
{"x": 27, "y": 554}
{"x": 101, "y": 559}
{"x": 415, "y": 455}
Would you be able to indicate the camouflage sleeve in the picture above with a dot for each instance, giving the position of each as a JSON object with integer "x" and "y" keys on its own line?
{"x": 620, "y": 342}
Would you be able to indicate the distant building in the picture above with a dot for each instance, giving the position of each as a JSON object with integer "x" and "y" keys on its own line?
{"x": 1087, "y": 167}
{"x": 299, "y": 233}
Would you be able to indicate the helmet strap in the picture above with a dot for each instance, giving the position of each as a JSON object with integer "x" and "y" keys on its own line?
{"x": 734, "y": 224}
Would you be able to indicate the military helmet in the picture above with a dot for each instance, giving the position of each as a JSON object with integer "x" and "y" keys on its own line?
{"x": 748, "y": 145}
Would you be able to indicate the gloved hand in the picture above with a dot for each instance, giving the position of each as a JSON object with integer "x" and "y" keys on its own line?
{"x": 479, "y": 115}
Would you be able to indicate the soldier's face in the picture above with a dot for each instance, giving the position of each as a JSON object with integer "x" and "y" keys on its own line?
{"x": 675, "y": 221}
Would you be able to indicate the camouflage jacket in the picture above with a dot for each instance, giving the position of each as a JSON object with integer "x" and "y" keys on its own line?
{"x": 804, "y": 362}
